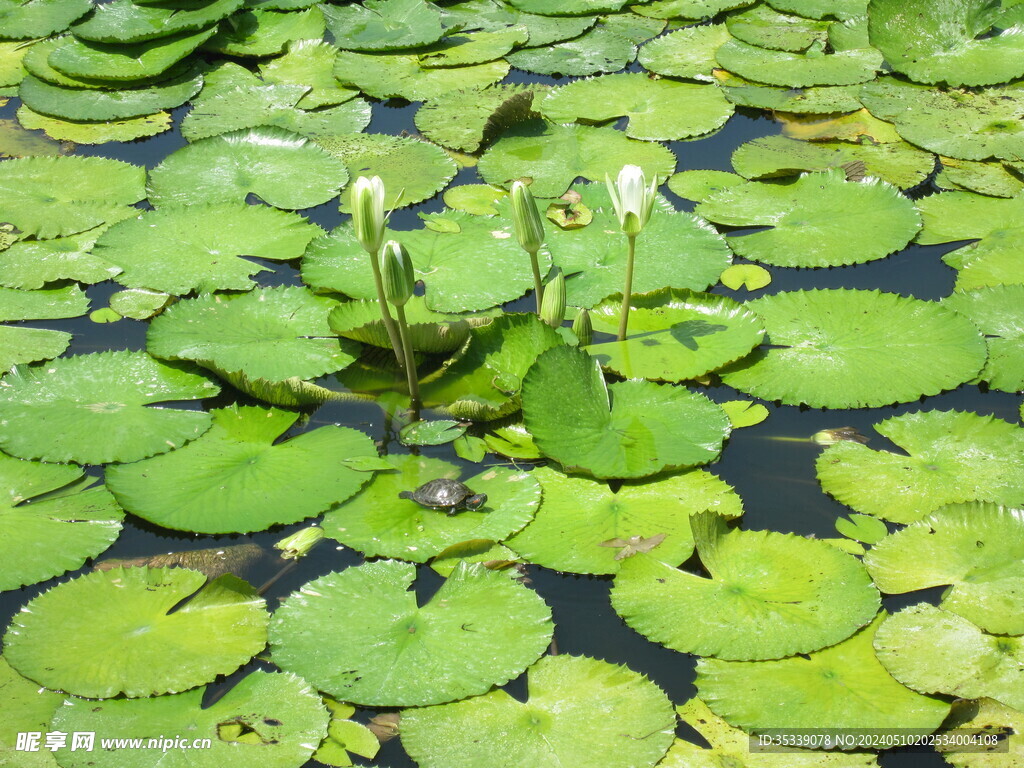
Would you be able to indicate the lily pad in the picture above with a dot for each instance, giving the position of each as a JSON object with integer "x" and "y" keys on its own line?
{"x": 656, "y": 110}
{"x": 478, "y": 199}
{"x": 95, "y": 132}
{"x": 854, "y": 349}
{"x": 598, "y": 50}
{"x": 93, "y": 408}
{"x": 270, "y": 333}
{"x": 125, "y": 63}
{"x": 935, "y": 651}
{"x": 777, "y": 595}
{"x": 688, "y": 9}
{"x": 463, "y": 49}
{"x": 567, "y": 7}
{"x": 765, "y": 27}
{"x": 821, "y": 9}
{"x": 383, "y": 25}
{"x": 68, "y": 635}
{"x": 748, "y": 276}
{"x": 578, "y": 514}
{"x": 122, "y": 21}
{"x": 987, "y": 715}
{"x": 24, "y": 19}
{"x": 29, "y": 345}
{"x": 688, "y": 52}
{"x": 285, "y": 170}
{"x": 469, "y": 118}
{"x": 999, "y": 314}
{"x": 817, "y": 100}
{"x": 165, "y": 250}
{"x": 572, "y": 700}
{"x": 273, "y": 720}
{"x": 384, "y": 75}
{"x": 609, "y": 431}
{"x": 674, "y": 335}
{"x": 48, "y": 304}
{"x": 138, "y": 303}
{"x": 54, "y": 534}
{"x": 951, "y": 457}
{"x": 480, "y": 629}
{"x": 820, "y": 220}
{"x": 54, "y": 196}
{"x": 26, "y": 708}
{"x": 429, "y": 331}
{"x": 260, "y": 32}
{"x": 380, "y": 524}
{"x": 496, "y": 15}
{"x": 976, "y": 549}
{"x": 987, "y": 178}
{"x": 842, "y": 686}
{"x": 700, "y": 184}
{"x": 33, "y": 263}
{"x": 309, "y": 63}
{"x": 799, "y": 70}
{"x": 236, "y": 479}
{"x": 437, "y": 432}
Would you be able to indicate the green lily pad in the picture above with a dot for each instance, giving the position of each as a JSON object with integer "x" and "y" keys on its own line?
{"x": 436, "y": 432}
{"x": 976, "y": 549}
{"x": 125, "y": 63}
{"x": 897, "y": 163}
{"x": 748, "y": 276}
{"x": 95, "y": 132}
{"x": 656, "y": 110}
{"x": 821, "y": 9}
{"x": 48, "y": 304}
{"x": 765, "y": 27}
{"x": 273, "y": 720}
{"x": 480, "y": 629}
{"x": 853, "y": 349}
{"x": 565, "y": 721}
{"x": 999, "y": 314}
{"x": 567, "y": 7}
{"x": 29, "y": 345}
{"x": 309, "y": 63}
{"x": 23, "y": 19}
{"x": 429, "y": 331}
{"x": 688, "y": 9}
{"x": 799, "y": 70}
{"x": 935, "y": 651}
{"x": 820, "y": 220}
{"x": 598, "y": 50}
{"x": 821, "y": 99}
{"x": 122, "y": 21}
{"x": 138, "y": 303}
{"x": 862, "y": 528}
{"x": 951, "y": 457}
{"x": 698, "y": 185}
{"x": 33, "y": 263}
{"x": 945, "y": 41}
{"x": 261, "y": 32}
{"x": 782, "y": 594}
{"x": 403, "y": 75}
{"x": 986, "y": 715}
{"x": 413, "y": 169}
{"x": 384, "y": 25}
{"x": 17, "y": 141}
{"x": 54, "y": 534}
{"x": 230, "y": 480}
{"x": 26, "y": 708}
{"x": 163, "y": 250}
{"x": 842, "y": 686}
{"x": 987, "y": 178}
{"x": 92, "y": 408}
{"x": 495, "y": 15}
{"x": 380, "y": 524}
{"x": 94, "y": 105}
{"x": 53, "y": 196}
{"x": 477, "y": 199}
{"x": 469, "y": 48}
{"x": 469, "y": 118}
{"x": 68, "y": 635}
{"x": 579, "y": 514}
{"x": 609, "y": 431}
{"x": 688, "y": 52}
{"x": 11, "y": 69}
{"x": 674, "y": 335}
{"x": 285, "y": 170}
{"x": 269, "y": 333}
{"x": 744, "y": 413}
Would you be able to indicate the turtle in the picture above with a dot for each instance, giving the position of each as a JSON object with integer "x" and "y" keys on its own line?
{"x": 445, "y": 494}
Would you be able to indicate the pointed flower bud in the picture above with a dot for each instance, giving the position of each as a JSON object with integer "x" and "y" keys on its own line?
{"x": 552, "y": 310}
{"x": 583, "y": 328}
{"x": 529, "y": 226}
{"x": 368, "y": 217}
{"x": 396, "y": 271}
{"x": 632, "y": 198}
{"x": 299, "y": 543}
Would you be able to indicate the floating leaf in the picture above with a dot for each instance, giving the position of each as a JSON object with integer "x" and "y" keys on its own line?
{"x": 124, "y": 63}
{"x": 138, "y": 303}
{"x": 309, "y": 63}
{"x": 854, "y": 349}
{"x": 577, "y": 514}
{"x": 23, "y": 19}
{"x": 744, "y": 413}
{"x": 999, "y": 314}
{"x": 480, "y": 629}
{"x": 165, "y": 250}
{"x": 49, "y": 304}
{"x": 68, "y": 635}
{"x": 494, "y": 15}
{"x": 987, "y": 178}
{"x": 609, "y": 431}
{"x": 98, "y": 132}
{"x": 765, "y": 27}
{"x": 688, "y": 9}
{"x": 429, "y": 331}
{"x": 92, "y": 408}
{"x": 122, "y": 21}
{"x": 477, "y": 199}
{"x": 869, "y": 530}
{"x": 261, "y": 32}
{"x": 29, "y": 345}
{"x": 748, "y": 276}
{"x": 698, "y": 185}
{"x": 285, "y": 170}
{"x": 952, "y": 457}
{"x": 404, "y": 75}
{"x": 595, "y": 51}
{"x": 473, "y": 48}
{"x": 777, "y": 595}
{"x": 688, "y": 52}
{"x": 989, "y": 716}
{"x": 33, "y": 263}
{"x": 656, "y": 110}
{"x": 799, "y": 70}
{"x": 436, "y": 432}
{"x": 820, "y": 9}
{"x": 828, "y": 98}
{"x": 380, "y": 524}
{"x": 565, "y": 721}
{"x": 567, "y": 7}
{"x": 468, "y": 118}
{"x": 231, "y": 479}
{"x": 382, "y": 25}
{"x": 512, "y": 440}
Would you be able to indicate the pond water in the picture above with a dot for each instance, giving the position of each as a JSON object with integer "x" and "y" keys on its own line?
{"x": 775, "y": 478}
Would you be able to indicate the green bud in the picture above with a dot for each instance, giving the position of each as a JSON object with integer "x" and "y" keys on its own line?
{"x": 529, "y": 226}
{"x": 299, "y": 543}
{"x": 552, "y": 310}
{"x": 583, "y": 328}
{"x": 368, "y": 217}
{"x": 396, "y": 273}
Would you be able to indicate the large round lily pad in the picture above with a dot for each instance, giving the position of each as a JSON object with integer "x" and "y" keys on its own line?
{"x": 129, "y": 62}
{"x": 950, "y": 457}
{"x": 799, "y": 70}
{"x": 33, "y": 263}
{"x": 123, "y": 21}
{"x": 360, "y": 636}
{"x": 309, "y": 63}
{"x": 22, "y": 19}
{"x": 429, "y": 331}
{"x": 595, "y": 51}
{"x": 379, "y": 524}
{"x": 93, "y": 408}
{"x": 763, "y": 26}
{"x": 381, "y": 25}
{"x": 565, "y": 721}
{"x": 999, "y": 314}
{"x": 236, "y": 478}
{"x": 263, "y": 31}
{"x": 852, "y": 348}
{"x": 469, "y": 118}
{"x": 628, "y": 429}
{"x": 814, "y": 100}
{"x": 384, "y": 75}
{"x": 769, "y": 595}
{"x": 687, "y": 52}
{"x": 83, "y": 104}
{"x": 67, "y": 637}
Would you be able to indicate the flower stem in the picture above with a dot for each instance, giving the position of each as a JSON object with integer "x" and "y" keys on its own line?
{"x": 389, "y": 322}
{"x": 627, "y": 291}
{"x": 410, "y": 364}
{"x": 538, "y": 286}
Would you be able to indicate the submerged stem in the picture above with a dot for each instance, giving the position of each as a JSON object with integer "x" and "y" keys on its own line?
{"x": 410, "y": 364}
{"x": 389, "y": 322}
{"x": 538, "y": 286}
{"x": 627, "y": 291}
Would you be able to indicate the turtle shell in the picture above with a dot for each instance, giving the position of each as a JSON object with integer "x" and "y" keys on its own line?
{"x": 442, "y": 492}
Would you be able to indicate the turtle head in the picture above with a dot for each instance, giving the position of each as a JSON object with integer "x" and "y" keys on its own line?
{"x": 405, "y": 495}
{"x": 477, "y": 501}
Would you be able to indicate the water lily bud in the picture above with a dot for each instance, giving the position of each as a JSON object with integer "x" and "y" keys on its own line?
{"x": 552, "y": 309}
{"x": 583, "y": 328}
{"x": 396, "y": 272}
{"x": 632, "y": 198}
{"x": 299, "y": 543}
{"x": 529, "y": 227}
{"x": 368, "y": 213}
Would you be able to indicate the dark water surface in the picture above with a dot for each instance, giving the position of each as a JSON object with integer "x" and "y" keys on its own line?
{"x": 774, "y": 478}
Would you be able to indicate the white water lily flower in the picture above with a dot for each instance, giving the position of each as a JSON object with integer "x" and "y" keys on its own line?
{"x": 368, "y": 217}
{"x": 632, "y": 198}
